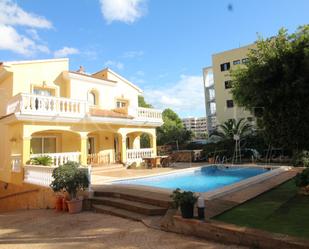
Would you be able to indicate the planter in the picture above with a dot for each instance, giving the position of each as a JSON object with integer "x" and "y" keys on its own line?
{"x": 59, "y": 203}
{"x": 75, "y": 206}
{"x": 187, "y": 210}
{"x": 65, "y": 207}
{"x": 211, "y": 160}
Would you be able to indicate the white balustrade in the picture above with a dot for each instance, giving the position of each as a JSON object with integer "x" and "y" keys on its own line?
{"x": 149, "y": 114}
{"x": 38, "y": 175}
{"x": 60, "y": 158}
{"x": 31, "y": 104}
{"x": 45, "y": 105}
{"x": 16, "y": 162}
{"x": 137, "y": 155}
{"x": 99, "y": 158}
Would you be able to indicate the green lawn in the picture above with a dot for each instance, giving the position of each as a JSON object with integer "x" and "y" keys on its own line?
{"x": 280, "y": 210}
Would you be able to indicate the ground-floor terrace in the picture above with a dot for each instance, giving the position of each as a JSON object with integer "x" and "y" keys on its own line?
{"x": 95, "y": 145}
{"x": 46, "y": 229}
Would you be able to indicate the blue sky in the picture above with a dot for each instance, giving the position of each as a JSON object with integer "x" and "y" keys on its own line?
{"x": 160, "y": 45}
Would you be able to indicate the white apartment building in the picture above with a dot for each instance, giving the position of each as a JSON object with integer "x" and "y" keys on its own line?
{"x": 197, "y": 125}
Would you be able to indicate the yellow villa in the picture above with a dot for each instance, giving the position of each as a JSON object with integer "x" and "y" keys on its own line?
{"x": 45, "y": 109}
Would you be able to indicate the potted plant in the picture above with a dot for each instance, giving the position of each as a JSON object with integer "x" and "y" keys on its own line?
{"x": 71, "y": 178}
{"x": 42, "y": 160}
{"x": 59, "y": 203}
{"x": 185, "y": 200}
{"x": 302, "y": 181}
{"x": 211, "y": 157}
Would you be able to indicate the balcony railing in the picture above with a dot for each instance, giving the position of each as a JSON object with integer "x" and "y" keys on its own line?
{"x": 60, "y": 158}
{"x": 31, "y": 104}
{"x": 38, "y": 175}
{"x": 137, "y": 155}
{"x": 146, "y": 114}
{"x": 45, "y": 105}
{"x": 99, "y": 158}
{"x": 16, "y": 162}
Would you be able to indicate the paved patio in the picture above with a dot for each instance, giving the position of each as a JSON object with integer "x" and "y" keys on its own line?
{"x": 47, "y": 229}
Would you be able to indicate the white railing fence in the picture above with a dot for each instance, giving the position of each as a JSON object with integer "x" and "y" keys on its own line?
{"x": 137, "y": 155}
{"x": 16, "y": 162}
{"x": 60, "y": 158}
{"x": 38, "y": 175}
{"x": 32, "y": 104}
{"x": 149, "y": 113}
{"x": 99, "y": 158}
{"x": 45, "y": 105}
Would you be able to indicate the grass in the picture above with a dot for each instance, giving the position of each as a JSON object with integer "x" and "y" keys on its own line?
{"x": 280, "y": 210}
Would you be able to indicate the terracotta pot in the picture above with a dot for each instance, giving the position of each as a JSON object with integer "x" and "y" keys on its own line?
{"x": 65, "y": 204}
{"x": 75, "y": 206}
{"x": 211, "y": 160}
{"x": 59, "y": 203}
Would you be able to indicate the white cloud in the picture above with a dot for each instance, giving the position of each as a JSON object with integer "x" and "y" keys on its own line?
{"x": 34, "y": 34}
{"x": 115, "y": 64}
{"x": 12, "y": 15}
{"x": 185, "y": 96}
{"x": 127, "y": 11}
{"x": 133, "y": 54}
{"x": 11, "y": 40}
{"x": 65, "y": 51}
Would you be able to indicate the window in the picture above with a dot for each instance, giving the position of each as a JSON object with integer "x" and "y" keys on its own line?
{"x": 228, "y": 84}
{"x": 41, "y": 145}
{"x": 42, "y": 92}
{"x": 121, "y": 104}
{"x": 225, "y": 66}
{"x": 245, "y": 60}
{"x": 236, "y": 62}
{"x": 92, "y": 98}
{"x": 229, "y": 103}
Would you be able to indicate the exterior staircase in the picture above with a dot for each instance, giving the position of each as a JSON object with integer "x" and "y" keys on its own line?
{"x": 125, "y": 205}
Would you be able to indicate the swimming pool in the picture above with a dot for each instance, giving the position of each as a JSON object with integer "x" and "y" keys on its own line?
{"x": 203, "y": 179}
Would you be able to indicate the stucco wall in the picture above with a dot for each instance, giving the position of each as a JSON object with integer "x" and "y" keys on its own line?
{"x": 222, "y": 94}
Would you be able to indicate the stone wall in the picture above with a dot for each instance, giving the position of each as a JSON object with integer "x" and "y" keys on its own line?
{"x": 231, "y": 234}
{"x": 25, "y": 196}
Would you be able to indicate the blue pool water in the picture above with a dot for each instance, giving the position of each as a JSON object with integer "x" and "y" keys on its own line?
{"x": 199, "y": 180}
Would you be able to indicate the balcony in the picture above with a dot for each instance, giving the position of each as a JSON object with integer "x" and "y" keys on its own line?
{"x": 30, "y": 104}
{"x": 47, "y": 106}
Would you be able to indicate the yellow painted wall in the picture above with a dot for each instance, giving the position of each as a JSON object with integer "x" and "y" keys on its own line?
{"x": 27, "y": 75}
{"x": 222, "y": 94}
{"x": 107, "y": 92}
{"x": 6, "y": 93}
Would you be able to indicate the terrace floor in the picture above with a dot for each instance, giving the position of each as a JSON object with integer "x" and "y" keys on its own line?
{"x": 46, "y": 229}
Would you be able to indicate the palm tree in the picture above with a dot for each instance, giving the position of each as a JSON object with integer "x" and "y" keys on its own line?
{"x": 229, "y": 128}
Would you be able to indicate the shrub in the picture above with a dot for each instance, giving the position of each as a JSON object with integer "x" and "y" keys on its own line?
{"x": 42, "y": 160}
{"x": 302, "y": 179}
{"x": 71, "y": 178}
{"x": 183, "y": 197}
{"x": 301, "y": 159}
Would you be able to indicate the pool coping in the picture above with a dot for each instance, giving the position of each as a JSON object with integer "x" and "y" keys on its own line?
{"x": 217, "y": 193}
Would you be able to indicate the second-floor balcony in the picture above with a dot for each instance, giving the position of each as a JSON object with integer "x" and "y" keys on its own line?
{"x": 47, "y": 106}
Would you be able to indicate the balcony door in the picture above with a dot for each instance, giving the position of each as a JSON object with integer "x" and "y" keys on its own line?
{"x": 42, "y": 145}
{"x": 91, "y": 145}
